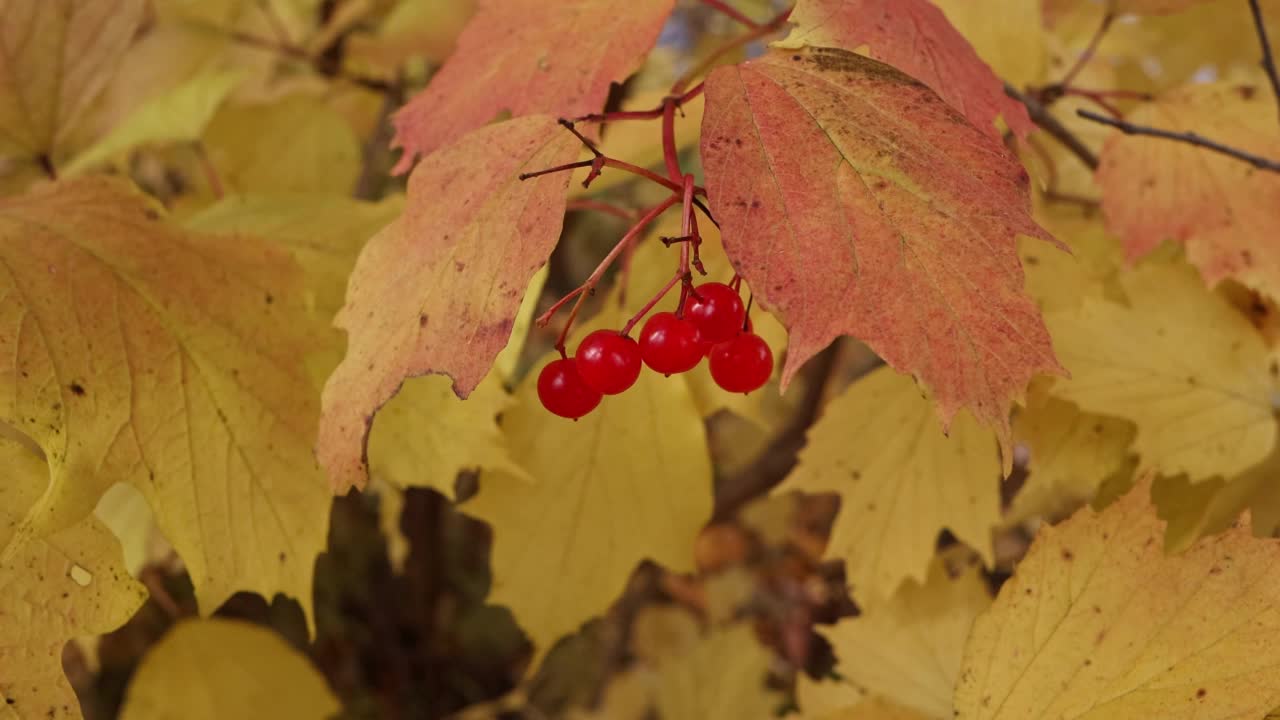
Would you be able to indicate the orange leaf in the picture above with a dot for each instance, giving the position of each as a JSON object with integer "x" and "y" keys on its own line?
{"x": 1223, "y": 210}
{"x": 915, "y": 37}
{"x": 525, "y": 57}
{"x": 437, "y": 290}
{"x": 853, "y": 200}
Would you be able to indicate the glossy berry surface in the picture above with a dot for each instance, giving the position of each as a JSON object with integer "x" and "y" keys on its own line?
{"x": 608, "y": 361}
{"x": 563, "y": 391}
{"x": 669, "y": 344}
{"x": 741, "y": 364}
{"x": 716, "y": 310}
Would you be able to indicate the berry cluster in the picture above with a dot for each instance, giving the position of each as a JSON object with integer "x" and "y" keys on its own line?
{"x": 713, "y": 325}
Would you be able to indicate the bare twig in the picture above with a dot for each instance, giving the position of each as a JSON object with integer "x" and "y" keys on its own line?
{"x": 1041, "y": 116}
{"x": 1268, "y": 60}
{"x": 1189, "y": 138}
{"x": 1108, "y": 18}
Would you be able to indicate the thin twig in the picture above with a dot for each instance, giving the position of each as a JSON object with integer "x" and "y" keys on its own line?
{"x": 1268, "y": 60}
{"x": 701, "y": 68}
{"x": 1189, "y": 138}
{"x": 1041, "y": 116}
{"x": 600, "y": 206}
{"x": 1089, "y": 51}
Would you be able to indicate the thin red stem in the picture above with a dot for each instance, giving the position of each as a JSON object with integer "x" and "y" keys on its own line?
{"x": 1098, "y": 100}
{"x": 1116, "y": 94}
{"x": 669, "y": 153}
{"x": 626, "y": 329}
{"x": 589, "y": 286}
{"x": 719, "y": 6}
{"x": 601, "y": 206}
{"x": 653, "y": 114}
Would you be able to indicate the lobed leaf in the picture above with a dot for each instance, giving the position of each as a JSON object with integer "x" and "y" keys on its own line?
{"x": 437, "y": 291}
{"x": 133, "y": 351}
{"x": 854, "y": 201}
{"x": 1097, "y": 622}
{"x": 528, "y": 57}
{"x": 900, "y": 481}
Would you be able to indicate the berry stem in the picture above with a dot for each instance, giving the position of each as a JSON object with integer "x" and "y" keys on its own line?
{"x": 649, "y": 305}
{"x": 581, "y": 292}
{"x": 669, "y": 153}
{"x": 655, "y": 113}
{"x": 600, "y": 206}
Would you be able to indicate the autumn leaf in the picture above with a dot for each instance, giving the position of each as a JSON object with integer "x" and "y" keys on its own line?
{"x": 1008, "y": 35}
{"x": 137, "y": 352}
{"x": 529, "y": 57}
{"x": 70, "y": 583}
{"x": 1223, "y": 210}
{"x": 869, "y": 709}
{"x": 1097, "y": 622}
{"x": 1203, "y": 412}
{"x": 181, "y": 114}
{"x": 1153, "y": 7}
{"x": 216, "y": 668}
{"x": 900, "y": 481}
{"x": 915, "y": 37}
{"x": 908, "y": 649}
{"x": 295, "y": 144}
{"x": 630, "y": 481}
{"x": 1059, "y": 281}
{"x": 854, "y": 201}
{"x": 55, "y": 57}
{"x": 1071, "y": 454}
{"x": 438, "y": 290}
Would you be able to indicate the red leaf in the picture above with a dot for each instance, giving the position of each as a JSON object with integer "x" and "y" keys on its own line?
{"x": 437, "y": 290}
{"x": 915, "y": 37}
{"x": 526, "y": 57}
{"x": 853, "y": 200}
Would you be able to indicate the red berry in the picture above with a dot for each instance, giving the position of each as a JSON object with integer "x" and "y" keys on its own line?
{"x": 563, "y": 391}
{"x": 742, "y": 364}
{"x": 608, "y": 361}
{"x": 669, "y": 344}
{"x": 716, "y": 310}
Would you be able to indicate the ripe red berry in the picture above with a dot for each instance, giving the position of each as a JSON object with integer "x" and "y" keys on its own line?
{"x": 608, "y": 361}
{"x": 669, "y": 344}
{"x": 716, "y": 310}
{"x": 563, "y": 391}
{"x": 742, "y": 364}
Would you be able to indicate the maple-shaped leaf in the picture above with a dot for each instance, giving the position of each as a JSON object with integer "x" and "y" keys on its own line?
{"x": 908, "y": 649}
{"x": 900, "y": 480}
{"x": 1098, "y": 622}
{"x": 68, "y": 584}
{"x": 1071, "y": 454}
{"x": 915, "y": 37}
{"x": 1202, "y": 413}
{"x": 529, "y": 57}
{"x": 55, "y": 57}
{"x": 1225, "y": 211}
{"x": 630, "y": 481}
{"x": 134, "y": 351}
{"x": 217, "y": 668}
{"x": 855, "y": 201}
{"x": 437, "y": 291}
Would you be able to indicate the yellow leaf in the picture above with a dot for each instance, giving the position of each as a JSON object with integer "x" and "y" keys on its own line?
{"x": 1179, "y": 362}
{"x": 178, "y": 115}
{"x": 908, "y": 649}
{"x": 631, "y": 480}
{"x": 1194, "y": 510}
{"x": 68, "y": 584}
{"x": 1061, "y": 281}
{"x": 1071, "y": 454}
{"x": 426, "y": 435}
{"x": 1008, "y": 35}
{"x": 124, "y": 511}
{"x": 55, "y": 57}
{"x": 1097, "y": 622}
{"x": 900, "y": 480}
{"x": 133, "y": 351}
{"x": 324, "y": 234}
{"x": 414, "y": 28}
{"x": 1153, "y": 7}
{"x": 295, "y": 144}
{"x": 870, "y": 709}
{"x": 505, "y": 364}
{"x": 220, "y": 669}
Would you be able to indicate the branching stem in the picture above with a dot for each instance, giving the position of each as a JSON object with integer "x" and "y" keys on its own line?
{"x": 1190, "y": 138}
{"x": 1268, "y": 60}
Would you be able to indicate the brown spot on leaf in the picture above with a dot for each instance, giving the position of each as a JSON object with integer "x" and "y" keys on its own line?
{"x": 77, "y": 389}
